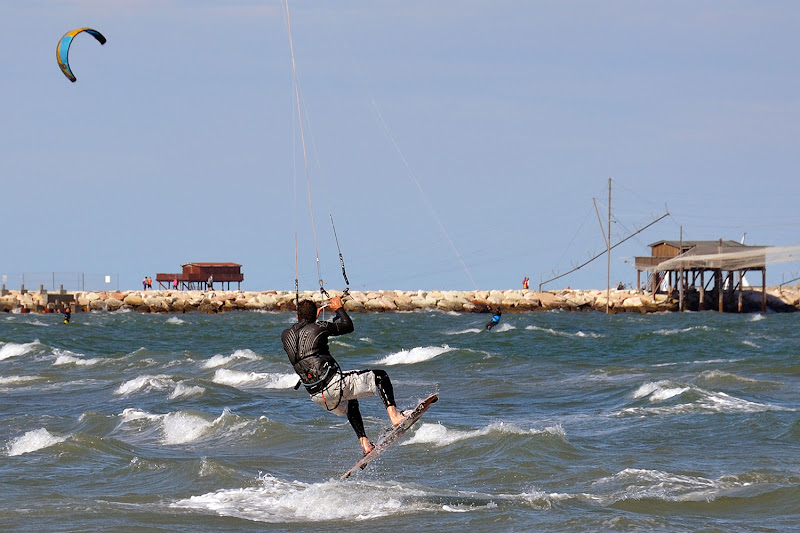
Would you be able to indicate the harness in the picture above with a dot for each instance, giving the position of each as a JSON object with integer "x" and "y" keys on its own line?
{"x": 319, "y": 385}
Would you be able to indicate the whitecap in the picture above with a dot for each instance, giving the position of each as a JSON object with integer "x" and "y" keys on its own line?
{"x": 758, "y": 317}
{"x": 12, "y": 349}
{"x": 65, "y": 357}
{"x": 186, "y": 391}
{"x": 439, "y": 435}
{"x": 681, "y": 330}
{"x": 658, "y": 391}
{"x": 14, "y": 380}
{"x": 146, "y": 382}
{"x": 220, "y": 360}
{"x": 131, "y": 414}
{"x": 706, "y": 401}
{"x": 175, "y": 320}
{"x": 638, "y": 484}
{"x": 414, "y": 355}
{"x": 180, "y": 427}
{"x": 463, "y": 331}
{"x": 279, "y": 501}
{"x": 32, "y": 441}
{"x": 238, "y": 379}
{"x": 557, "y": 333}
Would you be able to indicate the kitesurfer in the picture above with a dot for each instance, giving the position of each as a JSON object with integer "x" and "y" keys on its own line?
{"x": 495, "y": 319}
{"x": 67, "y": 315}
{"x": 306, "y": 344}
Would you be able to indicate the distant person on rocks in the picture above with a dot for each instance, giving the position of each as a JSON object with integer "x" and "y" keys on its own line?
{"x": 210, "y": 283}
{"x": 175, "y": 284}
{"x": 149, "y": 282}
{"x": 144, "y": 284}
{"x": 525, "y": 282}
{"x": 495, "y": 319}
{"x": 306, "y": 344}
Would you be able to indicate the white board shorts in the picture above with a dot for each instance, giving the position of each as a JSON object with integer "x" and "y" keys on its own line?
{"x": 345, "y": 386}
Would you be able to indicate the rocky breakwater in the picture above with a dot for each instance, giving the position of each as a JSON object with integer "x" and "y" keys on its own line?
{"x": 510, "y": 301}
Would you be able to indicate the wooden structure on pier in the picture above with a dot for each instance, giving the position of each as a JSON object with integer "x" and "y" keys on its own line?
{"x": 703, "y": 272}
{"x": 203, "y": 276}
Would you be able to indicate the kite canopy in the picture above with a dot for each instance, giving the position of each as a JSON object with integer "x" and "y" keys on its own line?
{"x": 62, "y": 50}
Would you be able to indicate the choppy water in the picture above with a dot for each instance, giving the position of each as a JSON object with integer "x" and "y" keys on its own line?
{"x": 552, "y": 421}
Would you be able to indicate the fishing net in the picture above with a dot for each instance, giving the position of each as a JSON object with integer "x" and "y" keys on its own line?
{"x": 713, "y": 256}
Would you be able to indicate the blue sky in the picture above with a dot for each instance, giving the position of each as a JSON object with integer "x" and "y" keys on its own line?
{"x": 456, "y": 143}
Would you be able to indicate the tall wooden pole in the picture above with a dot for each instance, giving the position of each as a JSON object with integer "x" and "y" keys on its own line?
{"x": 680, "y": 283}
{"x": 608, "y": 252}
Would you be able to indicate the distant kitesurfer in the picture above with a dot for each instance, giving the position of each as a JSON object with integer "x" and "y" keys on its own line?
{"x": 306, "y": 344}
{"x": 495, "y": 319}
{"x": 67, "y": 315}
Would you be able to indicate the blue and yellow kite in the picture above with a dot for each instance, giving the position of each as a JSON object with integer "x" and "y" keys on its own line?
{"x": 62, "y": 50}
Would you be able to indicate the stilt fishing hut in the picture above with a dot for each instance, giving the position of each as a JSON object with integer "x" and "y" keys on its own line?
{"x": 203, "y": 276}
{"x": 703, "y": 271}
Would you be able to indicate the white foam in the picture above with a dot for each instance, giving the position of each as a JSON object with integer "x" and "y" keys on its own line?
{"x": 463, "y": 331}
{"x": 637, "y": 484}
{"x": 439, "y": 435}
{"x": 414, "y": 355}
{"x": 14, "y": 380}
{"x": 682, "y": 330}
{"x": 146, "y": 382}
{"x": 557, "y": 333}
{"x": 186, "y": 391}
{"x": 703, "y": 401}
{"x": 131, "y": 414}
{"x": 32, "y": 441}
{"x": 658, "y": 391}
{"x": 239, "y": 379}
{"x": 758, "y": 317}
{"x": 278, "y": 501}
{"x": 220, "y": 360}
{"x": 175, "y": 320}
{"x": 65, "y": 357}
{"x": 180, "y": 427}
{"x": 12, "y": 349}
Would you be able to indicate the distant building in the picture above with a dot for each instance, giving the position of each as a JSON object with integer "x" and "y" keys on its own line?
{"x": 702, "y": 268}
{"x": 197, "y": 276}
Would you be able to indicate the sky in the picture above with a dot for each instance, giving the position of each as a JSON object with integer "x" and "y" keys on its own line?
{"x": 456, "y": 144}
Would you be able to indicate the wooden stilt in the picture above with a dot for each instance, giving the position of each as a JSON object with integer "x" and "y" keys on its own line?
{"x": 702, "y": 290}
{"x": 741, "y": 291}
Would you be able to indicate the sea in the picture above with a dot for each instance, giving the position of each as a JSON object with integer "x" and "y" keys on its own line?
{"x": 551, "y": 421}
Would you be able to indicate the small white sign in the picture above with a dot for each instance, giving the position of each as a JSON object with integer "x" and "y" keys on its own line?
{"x": 108, "y": 279}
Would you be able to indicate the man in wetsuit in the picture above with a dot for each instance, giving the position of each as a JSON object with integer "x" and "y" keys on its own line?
{"x": 306, "y": 344}
{"x": 495, "y": 319}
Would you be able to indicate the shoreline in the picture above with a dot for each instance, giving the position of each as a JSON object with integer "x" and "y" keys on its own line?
{"x": 785, "y": 299}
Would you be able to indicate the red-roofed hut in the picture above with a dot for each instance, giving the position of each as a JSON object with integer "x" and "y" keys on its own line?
{"x": 203, "y": 276}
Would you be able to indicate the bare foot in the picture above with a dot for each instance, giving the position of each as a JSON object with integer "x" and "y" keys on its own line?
{"x": 394, "y": 416}
{"x": 366, "y": 445}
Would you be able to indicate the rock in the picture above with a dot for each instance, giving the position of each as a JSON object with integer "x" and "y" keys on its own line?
{"x": 112, "y": 304}
{"x": 134, "y": 300}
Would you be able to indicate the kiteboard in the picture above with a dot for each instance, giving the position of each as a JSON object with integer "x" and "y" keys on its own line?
{"x": 393, "y": 434}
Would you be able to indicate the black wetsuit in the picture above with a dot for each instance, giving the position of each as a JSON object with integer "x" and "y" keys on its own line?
{"x": 306, "y": 344}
